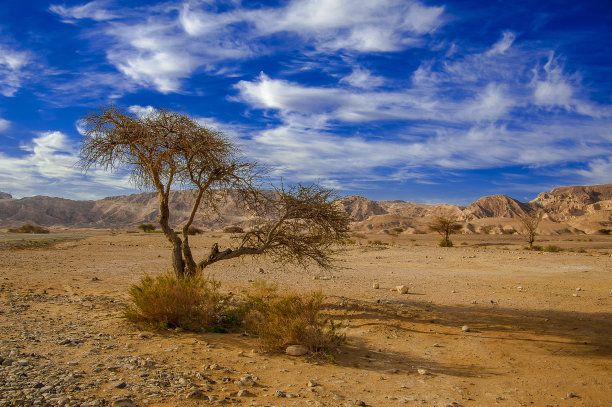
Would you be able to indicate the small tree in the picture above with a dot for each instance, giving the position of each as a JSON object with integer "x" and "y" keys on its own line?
{"x": 445, "y": 226}
{"x": 530, "y": 223}
{"x": 146, "y": 227}
{"x": 165, "y": 149}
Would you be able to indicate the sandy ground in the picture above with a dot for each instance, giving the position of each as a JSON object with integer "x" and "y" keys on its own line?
{"x": 540, "y": 326}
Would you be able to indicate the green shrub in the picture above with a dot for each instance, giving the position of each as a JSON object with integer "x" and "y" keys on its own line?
{"x": 146, "y": 227}
{"x": 552, "y": 249}
{"x": 233, "y": 229}
{"x": 280, "y": 320}
{"x": 605, "y": 231}
{"x": 445, "y": 243}
{"x": 29, "y": 228}
{"x": 164, "y": 301}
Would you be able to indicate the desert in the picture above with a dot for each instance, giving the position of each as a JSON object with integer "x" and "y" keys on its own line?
{"x": 483, "y": 323}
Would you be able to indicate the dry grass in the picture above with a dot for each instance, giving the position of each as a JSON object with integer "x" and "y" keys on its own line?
{"x": 286, "y": 319}
{"x": 192, "y": 304}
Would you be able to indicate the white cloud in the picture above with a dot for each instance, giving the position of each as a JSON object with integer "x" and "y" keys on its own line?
{"x": 363, "y": 78}
{"x": 12, "y": 64}
{"x": 598, "y": 171}
{"x": 555, "y": 88}
{"x": 94, "y": 10}
{"x": 4, "y": 124}
{"x": 141, "y": 111}
{"x": 48, "y": 167}
{"x": 503, "y": 44}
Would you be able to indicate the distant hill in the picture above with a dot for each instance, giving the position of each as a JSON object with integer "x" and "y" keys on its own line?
{"x": 573, "y": 209}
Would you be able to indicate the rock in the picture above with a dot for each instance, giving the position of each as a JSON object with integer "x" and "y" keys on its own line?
{"x": 376, "y": 286}
{"x": 196, "y": 394}
{"x": 312, "y": 383}
{"x": 121, "y": 385}
{"x": 123, "y": 403}
{"x": 402, "y": 289}
{"x": 245, "y": 393}
{"x": 578, "y": 289}
{"x": 465, "y": 328}
{"x": 280, "y": 393}
{"x": 360, "y": 403}
{"x": 422, "y": 371}
{"x": 296, "y": 350}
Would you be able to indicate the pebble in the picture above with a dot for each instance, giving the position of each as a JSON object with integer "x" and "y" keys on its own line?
{"x": 402, "y": 289}
{"x": 422, "y": 371}
{"x": 465, "y": 328}
{"x": 376, "y": 286}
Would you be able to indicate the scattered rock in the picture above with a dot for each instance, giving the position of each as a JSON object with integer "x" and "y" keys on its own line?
{"x": 123, "y": 403}
{"x": 376, "y": 286}
{"x": 245, "y": 393}
{"x": 296, "y": 350}
{"x": 280, "y": 393}
{"x": 465, "y": 328}
{"x": 402, "y": 289}
{"x": 196, "y": 394}
{"x": 423, "y": 372}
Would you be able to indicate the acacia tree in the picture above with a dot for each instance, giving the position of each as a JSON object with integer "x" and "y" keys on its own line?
{"x": 530, "y": 223}
{"x": 445, "y": 225}
{"x": 166, "y": 149}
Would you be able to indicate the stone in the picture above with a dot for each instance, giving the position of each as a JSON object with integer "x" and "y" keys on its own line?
{"x": 376, "y": 286}
{"x": 245, "y": 393}
{"x": 422, "y": 371}
{"x": 465, "y": 328}
{"x": 123, "y": 403}
{"x": 196, "y": 394}
{"x": 312, "y": 383}
{"x": 402, "y": 289}
{"x": 280, "y": 393}
{"x": 360, "y": 403}
{"x": 296, "y": 350}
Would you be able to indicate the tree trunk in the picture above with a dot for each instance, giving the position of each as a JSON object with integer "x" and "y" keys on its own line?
{"x": 178, "y": 264}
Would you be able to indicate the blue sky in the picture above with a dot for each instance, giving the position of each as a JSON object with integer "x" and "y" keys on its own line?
{"x": 390, "y": 99}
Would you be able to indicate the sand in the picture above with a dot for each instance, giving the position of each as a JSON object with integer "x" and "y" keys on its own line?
{"x": 539, "y": 325}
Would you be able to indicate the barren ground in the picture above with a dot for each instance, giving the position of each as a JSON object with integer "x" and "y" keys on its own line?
{"x": 540, "y": 326}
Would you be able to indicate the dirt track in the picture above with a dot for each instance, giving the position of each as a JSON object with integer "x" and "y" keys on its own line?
{"x": 534, "y": 338}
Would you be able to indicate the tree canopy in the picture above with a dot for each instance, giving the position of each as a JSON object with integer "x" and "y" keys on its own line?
{"x": 166, "y": 149}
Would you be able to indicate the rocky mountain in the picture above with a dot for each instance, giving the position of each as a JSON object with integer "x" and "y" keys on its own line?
{"x": 574, "y": 209}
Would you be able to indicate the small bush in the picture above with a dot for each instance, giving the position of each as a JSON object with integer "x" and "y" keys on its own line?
{"x": 445, "y": 243}
{"x": 192, "y": 304}
{"x": 233, "y": 229}
{"x": 534, "y": 248}
{"x": 194, "y": 231}
{"x": 350, "y": 241}
{"x": 377, "y": 243}
{"x": 146, "y": 227}
{"x": 29, "y": 228}
{"x": 280, "y": 320}
{"x": 398, "y": 230}
{"x": 552, "y": 249}
{"x": 605, "y": 231}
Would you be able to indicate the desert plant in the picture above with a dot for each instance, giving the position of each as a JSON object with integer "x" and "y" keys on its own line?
{"x": 29, "y": 228}
{"x": 552, "y": 249}
{"x": 166, "y": 301}
{"x": 146, "y": 227}
{"x": 535, "y": 248}
{"x": 233, "y": 229}
{"x": 530, "y": 223}
{"x": 299, "y": 224}
{"x": 445, "y": 226}
{"x": 605, "y": 231}
{"x": 194, "y": 231}
{"x": 283, "y": 319}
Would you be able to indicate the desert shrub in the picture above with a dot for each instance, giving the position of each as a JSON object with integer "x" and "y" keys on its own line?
{"x": 233, "y": 229}
{"x": 29, "y": 228}
{"x": 552, "y": 249}
{"x": 165, "y": 301}
{"x": 283, "y": 319}
{"x": 192, "y": 230}
{"x": 398, "y": 230}
{"x": 377, "y": 243}
{"x": 534, "y": 248}
{"x": 445, "y": 243}
{"x": 146, "y": 227}
{"x": 605, "y": 231}
{"x": 359, "y": 235}
{"x": 350, "y": 241}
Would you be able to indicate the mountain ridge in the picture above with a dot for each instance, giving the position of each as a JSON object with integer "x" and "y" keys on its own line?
{"x": 568, "y": 209}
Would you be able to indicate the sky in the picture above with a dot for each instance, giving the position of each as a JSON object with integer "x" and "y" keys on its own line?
{"x": 424, "y": 101}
